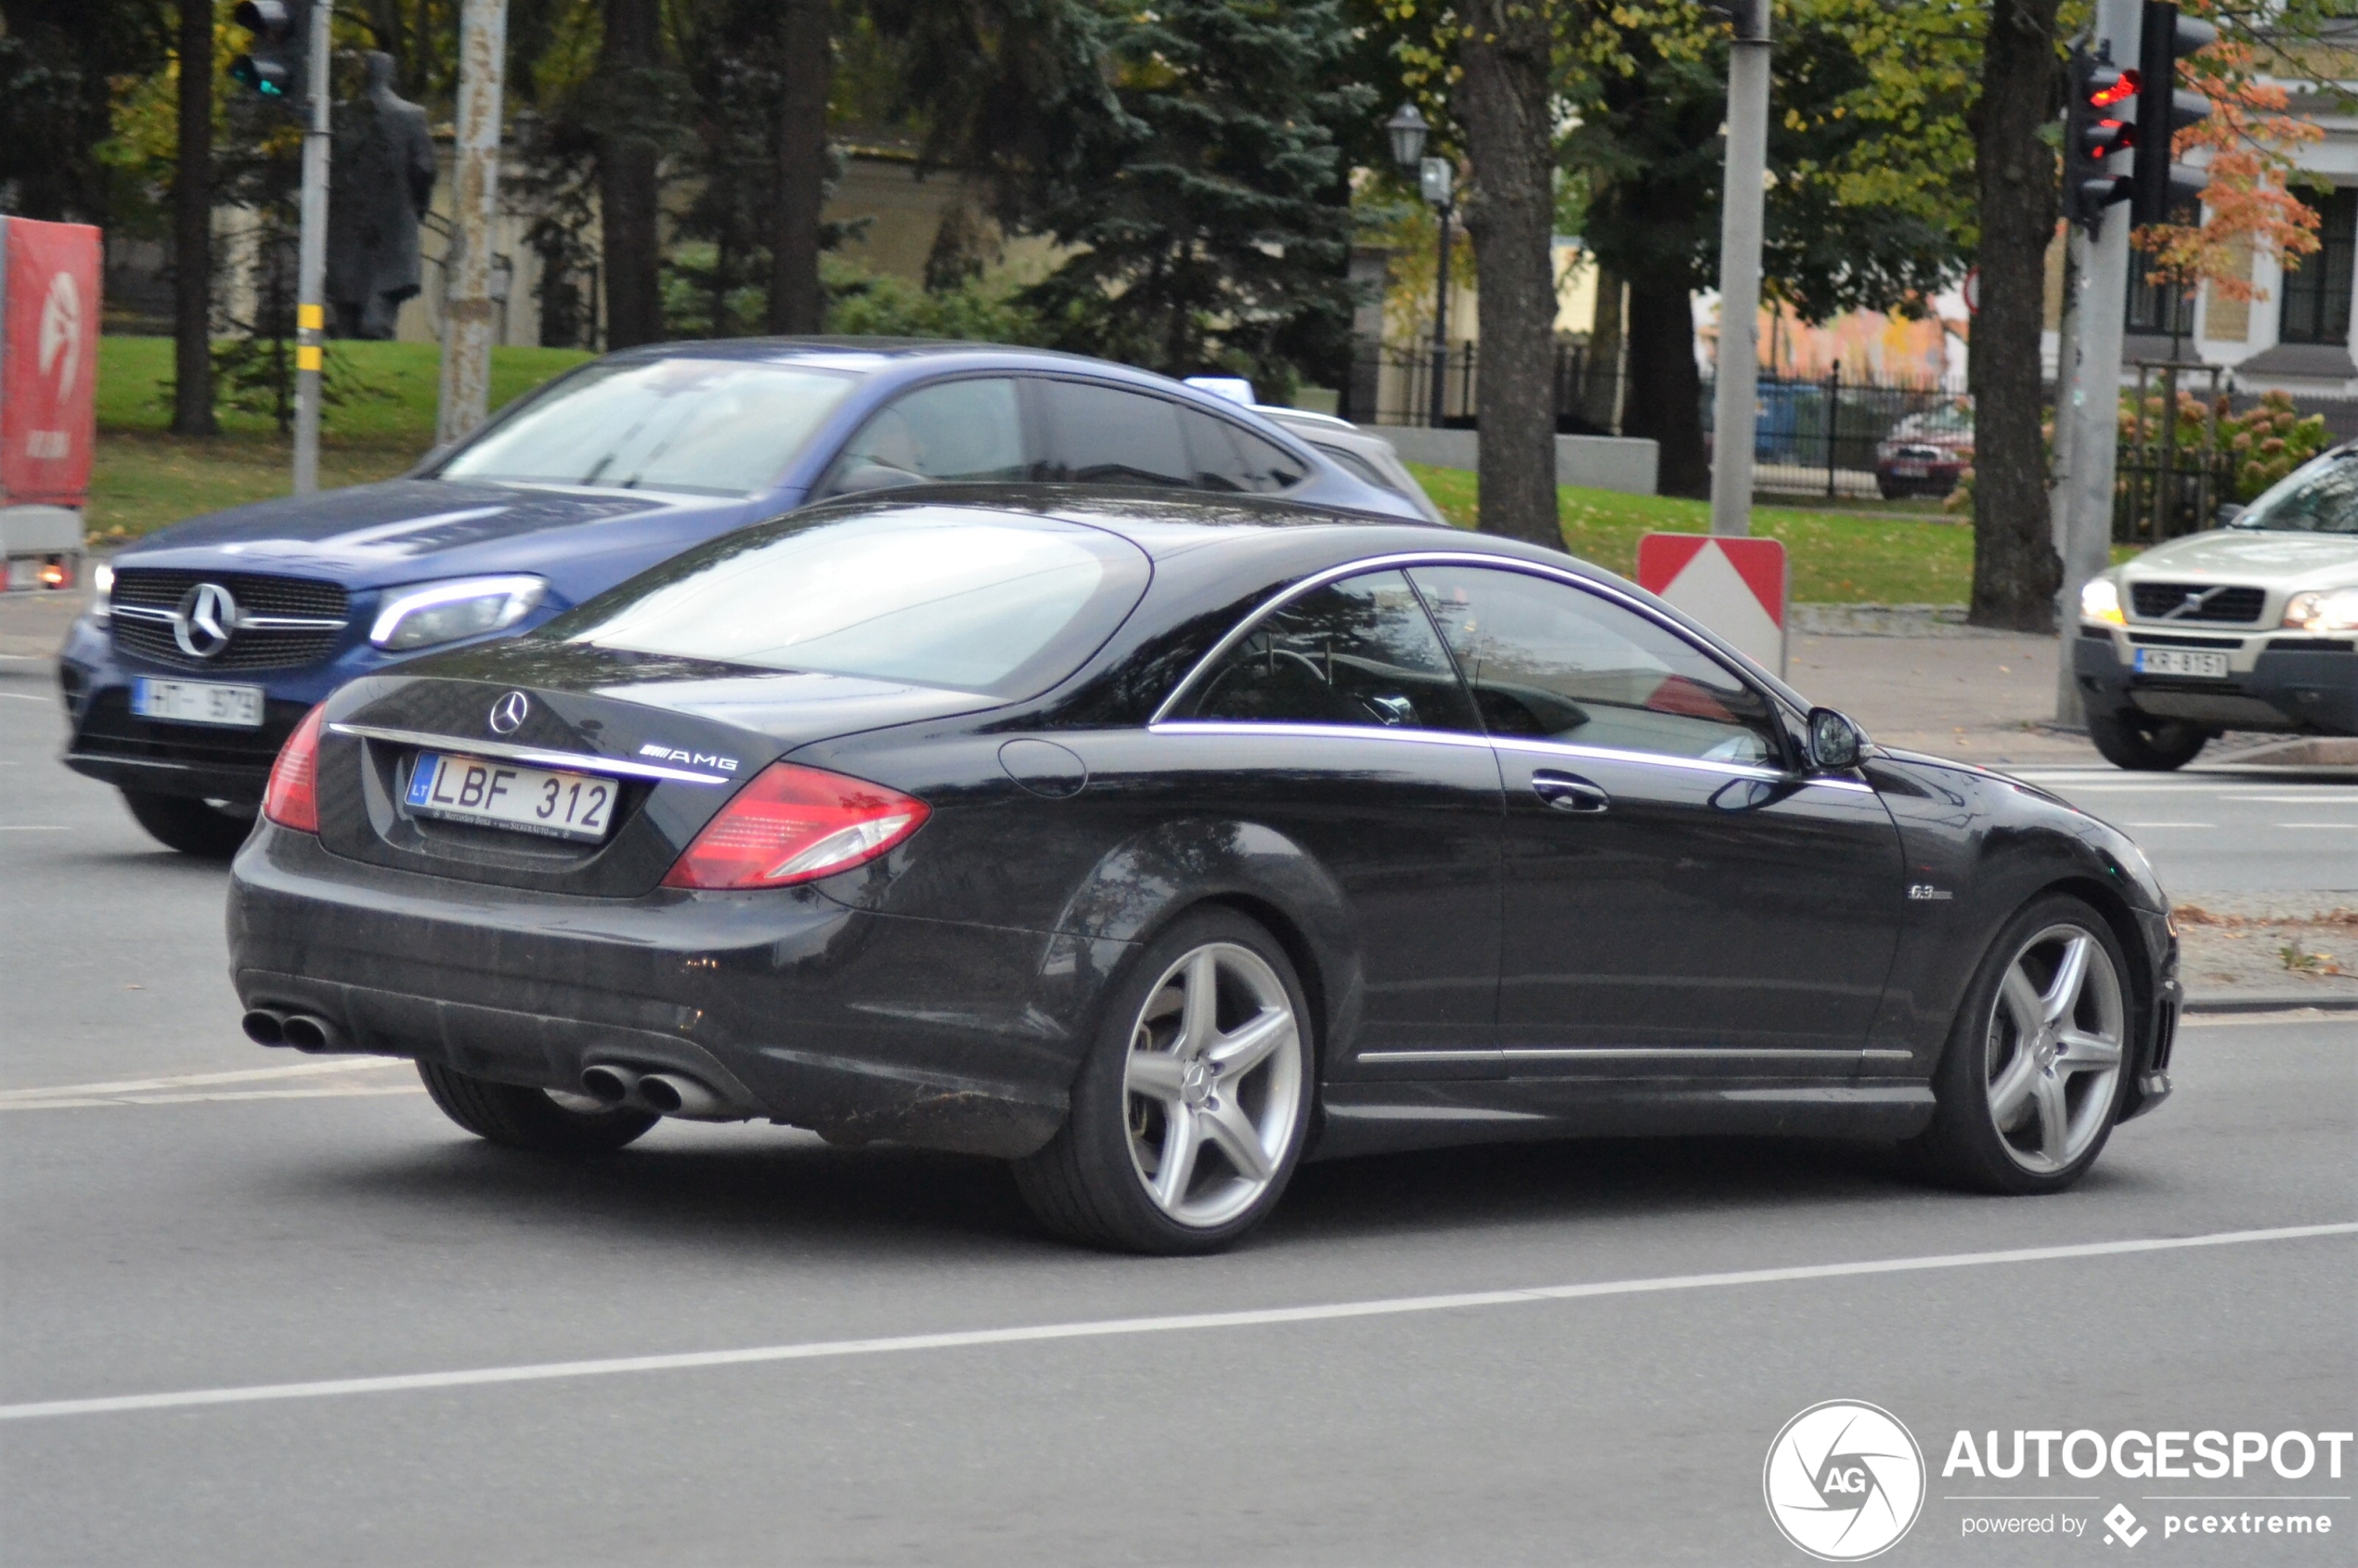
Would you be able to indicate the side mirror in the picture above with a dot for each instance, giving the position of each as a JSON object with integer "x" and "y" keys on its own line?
{"x": 1834, "y": 741}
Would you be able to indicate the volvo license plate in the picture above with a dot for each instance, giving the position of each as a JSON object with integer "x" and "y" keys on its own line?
{"x": 196, "y": 702}
{"x": 2182, "y": 661}
{"x": 577, "y": 806}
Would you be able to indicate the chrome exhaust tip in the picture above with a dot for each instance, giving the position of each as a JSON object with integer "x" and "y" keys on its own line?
{"x": 608, "y": 1085}
{"x": 675, "y": 1096}
{"x": 310, "y": 1034}
{"x": 265, "y": 1027}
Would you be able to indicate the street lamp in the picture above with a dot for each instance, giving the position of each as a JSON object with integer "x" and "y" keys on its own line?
{"x": 1436, "y": 181}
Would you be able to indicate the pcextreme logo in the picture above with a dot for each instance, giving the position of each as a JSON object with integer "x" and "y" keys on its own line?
{"x": 1844, "y": 1481}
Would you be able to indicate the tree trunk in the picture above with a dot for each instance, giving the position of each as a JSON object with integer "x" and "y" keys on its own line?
{"x": 1665, "y": 402}
{"x": 627, "y": 208}
{"x": 807, "y": 64}
{"x": 2015, "y": 569}
{"x": 1502, "y": 101}
{"x": 193, "y": 230}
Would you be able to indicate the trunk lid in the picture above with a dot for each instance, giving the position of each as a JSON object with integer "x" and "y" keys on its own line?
{"x": 672, "y": 738}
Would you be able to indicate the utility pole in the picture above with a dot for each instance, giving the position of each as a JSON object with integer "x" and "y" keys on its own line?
{"x": 468, "y": 315}
{"x": 1742, "y": 197}
{"x": 2103, "y": 306}
{"x": 311, "y": 253}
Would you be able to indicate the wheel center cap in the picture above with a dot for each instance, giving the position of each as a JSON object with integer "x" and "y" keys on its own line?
{"x": 1195, "y": 1082}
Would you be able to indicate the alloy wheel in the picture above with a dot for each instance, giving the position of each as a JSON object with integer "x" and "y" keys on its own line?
{"x": 2053, "y": 1048}
{"x": 1213, "y": 1084}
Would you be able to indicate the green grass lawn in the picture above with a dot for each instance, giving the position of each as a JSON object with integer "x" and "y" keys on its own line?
{"x": 1835, "y": 557}
{"x": 144, "y": 477}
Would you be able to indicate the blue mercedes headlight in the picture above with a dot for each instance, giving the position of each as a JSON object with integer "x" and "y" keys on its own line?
{"x": 420, "y": 617}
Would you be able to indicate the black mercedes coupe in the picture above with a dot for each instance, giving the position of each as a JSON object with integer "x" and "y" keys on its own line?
{"x": 1156, "y": 844}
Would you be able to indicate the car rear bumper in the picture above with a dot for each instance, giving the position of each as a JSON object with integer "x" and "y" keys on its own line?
{"x": 2312, "y": 689}
{"x": 788, "y": 1004}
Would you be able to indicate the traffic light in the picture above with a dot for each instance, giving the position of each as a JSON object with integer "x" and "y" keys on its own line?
{"x": 276, "y": 61}
{"x": 2164, "y": 108}
{"x": 2097, "y": 123}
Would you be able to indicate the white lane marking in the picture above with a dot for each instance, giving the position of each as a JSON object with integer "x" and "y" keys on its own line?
{"x": 189, "y": 1079}
{"x": 336, "y": 1093}
{"x": 1113, "y": 1326}
{"x": 2285, "y": 1016}
{"x": 2314, "y": 824}
{"x": 2168, "y": 824}
{"x": 2323, "y": 794}
{"x": 21, "y": 697}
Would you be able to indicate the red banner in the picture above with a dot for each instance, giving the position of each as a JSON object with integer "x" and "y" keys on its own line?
{"x": 48, "y": 361}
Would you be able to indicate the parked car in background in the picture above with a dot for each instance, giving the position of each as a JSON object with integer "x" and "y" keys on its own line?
{"x": 1925, "y": 454}
{"x": 1361, "y": 452}
{"x": 206, "y": 643}
{"x": 2249, "y": 627}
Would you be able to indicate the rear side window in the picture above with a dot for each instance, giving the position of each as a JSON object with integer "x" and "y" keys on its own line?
{"x": 1353, "y": 463}
{"x": 961, "y": 430}
{"x": 1103, "y": 436}
{"x": 1228, "y": 456}
{"x": 1361, "y": 653}
{"x": 929, "y": 595}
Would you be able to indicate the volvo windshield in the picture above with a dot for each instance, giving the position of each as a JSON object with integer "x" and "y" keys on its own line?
{"x": 2319, "y": 498}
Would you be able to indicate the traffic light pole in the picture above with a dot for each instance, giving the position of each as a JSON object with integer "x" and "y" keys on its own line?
{"x": 311, "y": 269}
{"x": 2094, "y": 382}
{"x": 1741, "y": 200}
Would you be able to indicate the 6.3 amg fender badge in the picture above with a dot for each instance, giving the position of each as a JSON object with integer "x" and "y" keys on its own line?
{"x": 509, "y": 712}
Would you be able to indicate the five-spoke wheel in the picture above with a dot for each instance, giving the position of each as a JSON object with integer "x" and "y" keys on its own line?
{"x": 2031, "y": 1080}
{"x": 1190, "y": 1111}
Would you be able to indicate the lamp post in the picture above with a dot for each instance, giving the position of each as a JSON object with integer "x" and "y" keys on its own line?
{"x": 1436, "y": 181}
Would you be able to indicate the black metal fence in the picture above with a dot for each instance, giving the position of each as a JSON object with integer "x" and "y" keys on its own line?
{"x": 1832, "y": 435}
{"x": 2170, "y": 474}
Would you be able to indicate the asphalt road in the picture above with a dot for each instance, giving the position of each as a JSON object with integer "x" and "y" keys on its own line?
{"x": 2224, "y": 829}
{"x": 167, "y": 1230}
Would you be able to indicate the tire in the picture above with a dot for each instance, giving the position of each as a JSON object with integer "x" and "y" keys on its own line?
{"x": 193, "y": 826}
{"x": 515, "y": 1116}
{"x": 1107, "y": 1179}
{"x": 1999, "y": 1126}
{"x": 2146, "y": 745}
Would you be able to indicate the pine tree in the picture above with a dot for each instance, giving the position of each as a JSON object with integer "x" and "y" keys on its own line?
{"x": 1211, "y": 213}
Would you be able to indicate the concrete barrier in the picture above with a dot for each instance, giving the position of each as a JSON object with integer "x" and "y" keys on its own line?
{"x": 1600, "y": 462}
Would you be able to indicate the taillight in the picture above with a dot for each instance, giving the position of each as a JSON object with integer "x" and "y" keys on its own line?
{"x": 791, "y": 824}
{"x": 292, "y": 799}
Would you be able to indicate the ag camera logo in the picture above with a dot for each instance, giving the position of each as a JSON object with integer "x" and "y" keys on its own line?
{"x": 1845, "y": 1481}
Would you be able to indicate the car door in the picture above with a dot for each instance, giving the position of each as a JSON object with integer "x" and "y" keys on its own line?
{"x": 1676, "y": 897}
{"x": 1338, "y": 722}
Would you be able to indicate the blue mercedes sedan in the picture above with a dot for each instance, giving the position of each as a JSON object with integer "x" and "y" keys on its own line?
{"x": 208, "y": 643}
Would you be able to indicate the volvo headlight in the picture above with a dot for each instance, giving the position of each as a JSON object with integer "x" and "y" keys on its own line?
{"x": 101, "y": 592}
{"x": 2100, "y": 601}
{"x": 2333, "y": 609}
{"x": 420, "y": 617}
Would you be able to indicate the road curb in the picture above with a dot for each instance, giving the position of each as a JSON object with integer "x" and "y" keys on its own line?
{"x": 2275, "y": 1002}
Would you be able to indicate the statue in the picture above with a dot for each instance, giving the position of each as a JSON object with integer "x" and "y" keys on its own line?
{"x": 383, "y": 182}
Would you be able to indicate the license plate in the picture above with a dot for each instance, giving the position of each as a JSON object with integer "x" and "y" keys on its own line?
{"x": 196, "y": 702}
{"x": 579, "y": 806}
{"x": 2180, "y": 661}
{"x": 1912, "y": 470}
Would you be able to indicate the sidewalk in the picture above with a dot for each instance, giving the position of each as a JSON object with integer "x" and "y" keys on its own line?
{"x": 1976, "y": 697}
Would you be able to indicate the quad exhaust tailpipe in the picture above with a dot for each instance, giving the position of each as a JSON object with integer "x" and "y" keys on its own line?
{"x": 311, "y": 1034}
{"x": 668, "y": 1094}
{"x": 265, "y": 1027}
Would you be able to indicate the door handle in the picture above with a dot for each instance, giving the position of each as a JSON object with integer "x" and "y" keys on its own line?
{"x": 1568, "y": 792}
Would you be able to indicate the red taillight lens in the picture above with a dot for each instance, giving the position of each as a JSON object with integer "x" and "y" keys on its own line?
{"x": 791, "y": 824}
{"x": 292, "y": 799}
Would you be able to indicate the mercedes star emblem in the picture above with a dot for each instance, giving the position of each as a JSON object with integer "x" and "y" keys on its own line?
{"x": 509, "y": 711}
{"x": 203, "y": 620}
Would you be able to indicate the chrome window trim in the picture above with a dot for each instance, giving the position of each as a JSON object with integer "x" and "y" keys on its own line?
{"x": 536, "y": 756}
{"x": 1330, "y": 732}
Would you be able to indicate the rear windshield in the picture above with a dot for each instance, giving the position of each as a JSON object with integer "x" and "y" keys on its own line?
{"x": 705, "y": 426}
{"x": 929, "y": 595}
{"x": 2319, "y": 499}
